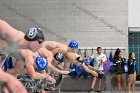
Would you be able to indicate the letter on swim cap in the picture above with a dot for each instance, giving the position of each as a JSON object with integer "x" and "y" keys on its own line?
{"x": 59, "y": 57}
{"x": 41, "y": 63}
{"x": 34, "y": 33}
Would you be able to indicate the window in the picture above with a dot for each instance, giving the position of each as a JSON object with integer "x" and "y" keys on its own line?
{"x": 134, "y": 45}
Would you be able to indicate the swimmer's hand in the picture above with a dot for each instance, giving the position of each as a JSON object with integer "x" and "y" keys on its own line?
{"x": 64, "y": 72}
{"x": 14, "y": 85}
{"x": 50, "y": 80}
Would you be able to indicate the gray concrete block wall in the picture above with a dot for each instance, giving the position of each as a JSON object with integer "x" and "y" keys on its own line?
{"x": 90, "y": 22}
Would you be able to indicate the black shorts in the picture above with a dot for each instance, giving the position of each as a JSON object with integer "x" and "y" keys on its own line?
{"x": 131, "y": 72}
{"x": 120, "y": 72}
{"x": 100, "y": 76}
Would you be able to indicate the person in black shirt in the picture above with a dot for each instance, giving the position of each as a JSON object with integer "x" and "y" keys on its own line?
{"x": 119, "y": 61}
{"x": 131, "y": 71}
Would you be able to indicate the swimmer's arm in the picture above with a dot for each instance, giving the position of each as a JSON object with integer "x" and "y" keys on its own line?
{"x": 87, "y": 69}
{"x": 12, "y": 71}
{"x": 55, "y": 46}
{"x": 4, "y": 76}
{"x": 60, "y": 67}
{"x": 94, "y": 68}
{"x": 29, "y": 61}
{"x": 49, "y": 44}
{"x": 31, "y": 71}
{"x": 65, "y": 64}
{"x": 58, "y": 50}
{"x": 46, "y": 53}
{"x": 35, "y": 75}
{"x": 43, "y": 52}
{"x": 7, "y": 31}
{"x": 51, "y": 67}
{"x": 72, "y": 57}
{"x": 16, "y": 69}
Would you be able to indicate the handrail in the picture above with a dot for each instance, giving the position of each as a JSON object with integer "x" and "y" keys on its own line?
{"x": 107, "y": 48}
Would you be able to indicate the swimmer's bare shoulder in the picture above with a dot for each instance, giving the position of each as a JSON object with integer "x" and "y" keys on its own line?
{"x": 49, "y": 45}
{"x": 8, "y": 33}
{"x": 27, "y": 55}
{"x": 72, "y": 56}
{"x": 55, "y": 46}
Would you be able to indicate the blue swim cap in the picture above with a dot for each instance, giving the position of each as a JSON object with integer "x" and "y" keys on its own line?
{"x": 41, "y": 63}
{"x": 73, "y": 44}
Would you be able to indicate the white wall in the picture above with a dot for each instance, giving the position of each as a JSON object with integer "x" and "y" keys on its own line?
{"x": 91, "y": 22}
{"x": 134, "y": 13}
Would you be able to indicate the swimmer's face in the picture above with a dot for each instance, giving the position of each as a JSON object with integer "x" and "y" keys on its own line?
{"x": 35, "y": 45}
